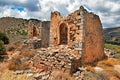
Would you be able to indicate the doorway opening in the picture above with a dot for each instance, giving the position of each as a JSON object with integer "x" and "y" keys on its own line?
{"x": 34, "y": 32}
{"x": 63, "y": 34}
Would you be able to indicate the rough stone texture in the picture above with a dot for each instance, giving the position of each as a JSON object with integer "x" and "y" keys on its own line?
{"x": 94, "y": 40}
{"x": 39, "y": 30}
{"x": 34, "y": 29}
{"x": 81, "y": 31}
{"x": 45, "y": 33}
{"x": 33, "y": 43}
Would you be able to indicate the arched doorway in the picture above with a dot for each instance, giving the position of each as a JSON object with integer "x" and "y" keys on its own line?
{"x": 34, "y": 32}
{"x": 63, "y": 34}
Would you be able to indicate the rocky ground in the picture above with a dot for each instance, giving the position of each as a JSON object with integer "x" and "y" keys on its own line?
{"x": 54, "y": 63}
{"x": 50, "y": 61}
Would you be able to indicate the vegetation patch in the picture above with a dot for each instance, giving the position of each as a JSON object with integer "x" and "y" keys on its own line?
{"x": 2, "y": 48}
{"x": 4, "y": 38}
{"x": 116, "y": 48}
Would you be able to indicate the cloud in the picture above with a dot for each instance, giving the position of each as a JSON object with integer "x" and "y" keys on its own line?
{"x": 7, "y": 11}
{"x": 108, "y": 10}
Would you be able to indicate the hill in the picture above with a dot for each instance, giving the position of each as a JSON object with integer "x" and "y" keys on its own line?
{"x": 15, "y": 28}
{"x": 112, "y": 34}
{"x": 10, "y": 23}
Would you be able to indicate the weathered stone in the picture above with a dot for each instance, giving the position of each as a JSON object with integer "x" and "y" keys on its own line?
{"x": 34, "y": 43}
{"x": 75, "y": 40}
{"x": 40, "y": 30}
{"x": 80, "y": 32}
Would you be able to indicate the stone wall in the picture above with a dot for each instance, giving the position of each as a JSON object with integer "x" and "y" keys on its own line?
{"x": 40, "y": 30}
{"x": 80, "y": 30}
{"x": 94, "y": 39}
{"x": 55, "y": 18}
{"x": 45, "y": 33}
{"x": 34, "y": 28}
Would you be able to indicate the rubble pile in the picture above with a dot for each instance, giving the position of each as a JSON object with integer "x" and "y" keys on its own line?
{"x": 33, "y": 43}
{"x": 52, "y": 58}
{"x": 52, "y": 63}
{"x": 109, "y": 53}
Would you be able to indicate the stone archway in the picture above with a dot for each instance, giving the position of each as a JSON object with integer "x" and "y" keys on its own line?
{"x": 63, "y": 31}
{"x": 34, "y": 32}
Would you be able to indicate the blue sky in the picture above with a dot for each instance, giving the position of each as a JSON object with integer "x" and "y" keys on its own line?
{"x": 108, "y": 10}
{"x": 18, "y": 8}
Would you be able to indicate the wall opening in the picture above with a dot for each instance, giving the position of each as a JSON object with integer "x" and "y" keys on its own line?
{"x": 34, "y": 32}
{"x": 63, "y": 34}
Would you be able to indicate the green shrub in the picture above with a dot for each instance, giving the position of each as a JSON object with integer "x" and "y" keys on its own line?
{"x": 2, "y": 48}
{"x": 4, "y": 38}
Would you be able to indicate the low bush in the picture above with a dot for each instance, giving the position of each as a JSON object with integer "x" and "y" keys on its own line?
{"x": 2, "y": 48}
{"x": 4, "y": 38}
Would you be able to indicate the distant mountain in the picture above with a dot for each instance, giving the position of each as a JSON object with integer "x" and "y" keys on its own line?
{"x": 112, "y": 34}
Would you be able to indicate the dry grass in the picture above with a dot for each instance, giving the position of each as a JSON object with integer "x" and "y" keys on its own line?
{"x": 27, "y": 53}
{"x": 90, "y": 68}
{"x": 108, "y": 63}
{"x": 112, "y": 74}
{"x": 16, "y": 64}
{"x": 9, "y": 75}
{"x": 60, "y": 75}
{"x": 108, "y": 66}
{"x": 114, "y": 78}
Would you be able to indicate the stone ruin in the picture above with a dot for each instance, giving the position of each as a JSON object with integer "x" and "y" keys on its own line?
{"x": 38, "y": 33}
{"x": 81, "y": 31}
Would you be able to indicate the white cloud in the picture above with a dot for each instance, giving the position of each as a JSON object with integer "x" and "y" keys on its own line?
{"x": 7, "y": 11}
{"x": 108, "y": 10}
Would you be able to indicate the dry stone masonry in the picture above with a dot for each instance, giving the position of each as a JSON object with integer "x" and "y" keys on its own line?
{"x": 39, "y": 30}
{"x": 81, "y": 31}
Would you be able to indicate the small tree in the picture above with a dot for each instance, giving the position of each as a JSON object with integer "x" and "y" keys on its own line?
{"x": 2, "y": 48}
{"x": 4, "y": 38}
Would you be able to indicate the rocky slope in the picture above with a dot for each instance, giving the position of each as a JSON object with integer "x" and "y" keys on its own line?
{"x": 11, "y": 23}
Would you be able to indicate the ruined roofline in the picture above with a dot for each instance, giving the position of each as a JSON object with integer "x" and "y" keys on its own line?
{"x": 80, "y": 9}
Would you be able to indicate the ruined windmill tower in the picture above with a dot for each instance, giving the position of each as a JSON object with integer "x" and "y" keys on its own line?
{"x": 81, "y": 31}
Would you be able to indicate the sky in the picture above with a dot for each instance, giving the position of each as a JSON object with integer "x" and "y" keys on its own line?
{"x": 108, "y": 10}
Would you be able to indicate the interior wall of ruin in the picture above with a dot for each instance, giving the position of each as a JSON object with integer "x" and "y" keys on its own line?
{"x": 45, "y": 33}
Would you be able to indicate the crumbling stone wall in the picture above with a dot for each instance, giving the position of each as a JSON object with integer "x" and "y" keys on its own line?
{"x": 55, "y": 18}
{"x": 81, "y": 31}
{"x": 39, "y": 30}
{"x": 34, "y": 29}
